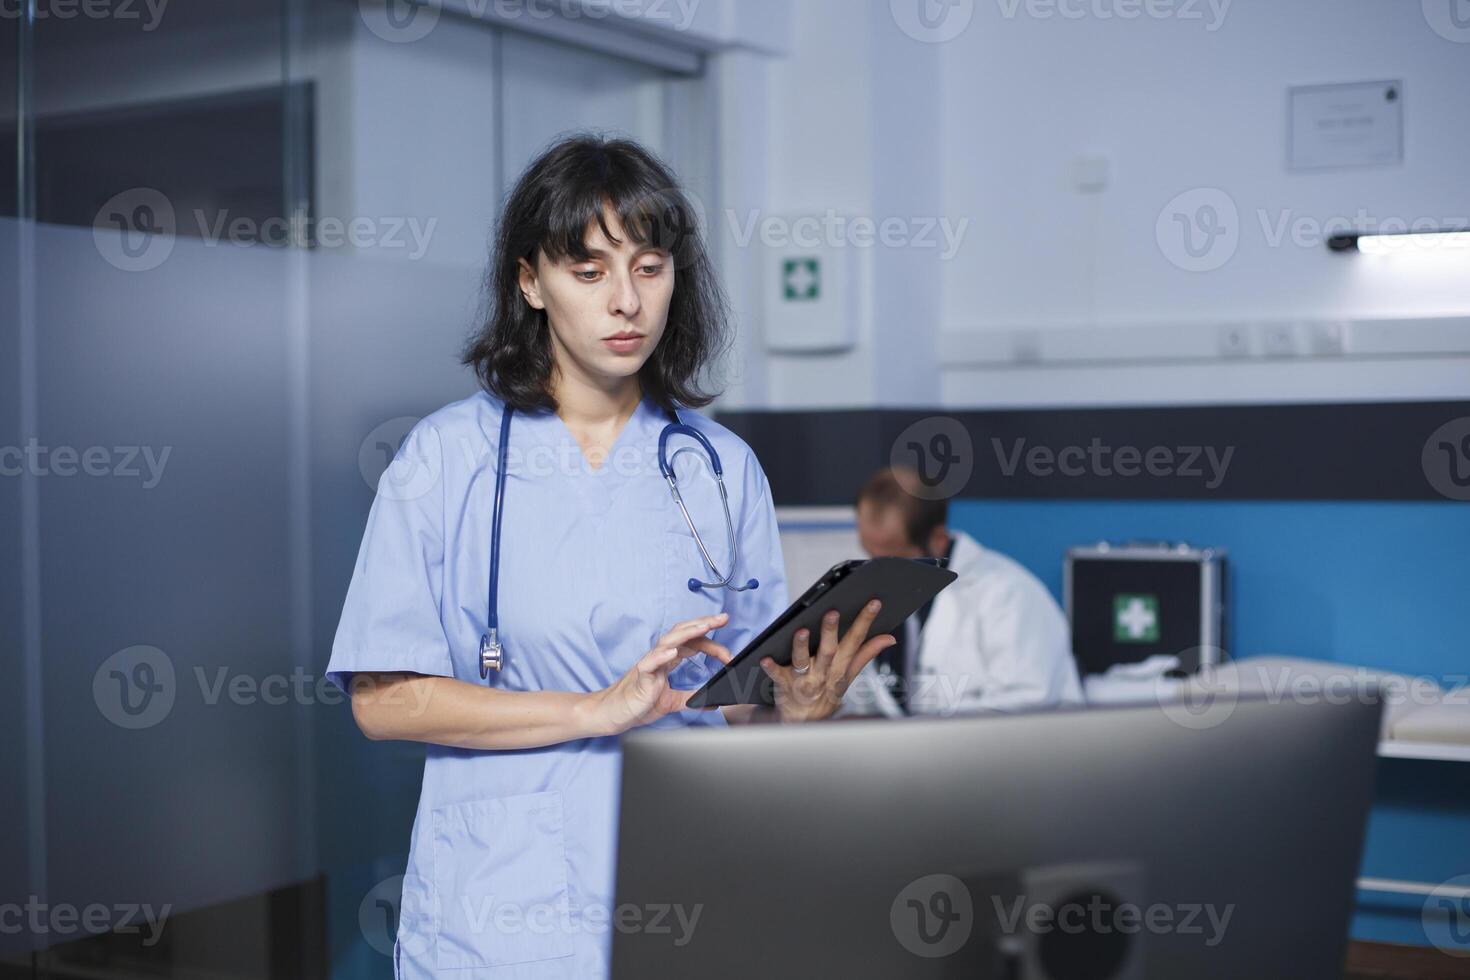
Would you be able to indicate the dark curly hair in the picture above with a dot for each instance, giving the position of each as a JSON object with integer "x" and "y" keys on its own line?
{"x": 572, "y": 184}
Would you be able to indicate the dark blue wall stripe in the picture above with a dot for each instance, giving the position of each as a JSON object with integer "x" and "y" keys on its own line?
{"x": 1274, "y": 452}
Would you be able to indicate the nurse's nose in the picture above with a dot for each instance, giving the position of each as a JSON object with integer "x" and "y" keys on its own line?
{"x": 625, "y": 301}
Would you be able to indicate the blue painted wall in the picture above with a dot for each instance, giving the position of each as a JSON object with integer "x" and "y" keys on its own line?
{"x": 1383, "y": 585}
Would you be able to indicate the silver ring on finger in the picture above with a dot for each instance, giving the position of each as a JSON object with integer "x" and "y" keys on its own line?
{"x": 802, "y": 670}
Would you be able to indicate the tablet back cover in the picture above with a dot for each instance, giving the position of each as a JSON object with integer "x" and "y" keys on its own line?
{"x": 903, "y": 584}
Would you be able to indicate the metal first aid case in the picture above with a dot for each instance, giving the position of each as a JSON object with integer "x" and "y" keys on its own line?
{"x": 1139, "y": 599}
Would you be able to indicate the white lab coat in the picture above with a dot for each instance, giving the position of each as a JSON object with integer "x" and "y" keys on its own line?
{"x": 995, "y": 640}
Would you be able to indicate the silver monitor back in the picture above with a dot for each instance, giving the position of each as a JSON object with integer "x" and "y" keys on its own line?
{"x": 1107, "y": 844}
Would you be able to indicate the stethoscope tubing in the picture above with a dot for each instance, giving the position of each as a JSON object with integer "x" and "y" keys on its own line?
{"x": 492, "y": 651}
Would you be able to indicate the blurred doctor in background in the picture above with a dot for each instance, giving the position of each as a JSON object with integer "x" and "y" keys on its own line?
{"x": 994, "y": 640}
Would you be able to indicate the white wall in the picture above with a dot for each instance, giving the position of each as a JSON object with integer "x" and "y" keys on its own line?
{"x": 984, "y": 127}
{"x": 1177, "y": 106}
{"x": 829, "y": 105}
{"x": 407, "y": 131}
{"x": 822, "y": 128}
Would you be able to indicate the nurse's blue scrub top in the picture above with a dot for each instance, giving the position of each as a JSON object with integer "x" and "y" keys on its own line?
{"x": 511, "y": 864}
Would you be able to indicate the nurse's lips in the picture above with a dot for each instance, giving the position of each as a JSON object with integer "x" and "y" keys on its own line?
{"x": 624, "y": 343}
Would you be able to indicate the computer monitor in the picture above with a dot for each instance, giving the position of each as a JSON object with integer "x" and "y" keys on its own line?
{"x": 1107, "y": 844}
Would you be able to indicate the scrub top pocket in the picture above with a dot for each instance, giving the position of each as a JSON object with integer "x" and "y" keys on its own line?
{"x": 500, "y": 882}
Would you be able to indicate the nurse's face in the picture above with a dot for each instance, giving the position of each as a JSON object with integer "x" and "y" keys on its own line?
{"x": 606, "y": 314}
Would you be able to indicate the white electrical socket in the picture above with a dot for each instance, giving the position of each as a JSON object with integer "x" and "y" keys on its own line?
{"x": 1026, "y": 347}
{"x": 1235, "y": 340}
{"x": 1329, "y": 339}
{"x": 1279, "y": 340}
{"x": 1091, "y": 172}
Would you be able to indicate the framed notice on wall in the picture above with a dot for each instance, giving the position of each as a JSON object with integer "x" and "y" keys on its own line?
{"x": 1358, "y": 124}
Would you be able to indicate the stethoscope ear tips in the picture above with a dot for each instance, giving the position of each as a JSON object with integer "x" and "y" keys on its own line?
{"x": 752, "y": 584}
{"x": 694, "y": 585}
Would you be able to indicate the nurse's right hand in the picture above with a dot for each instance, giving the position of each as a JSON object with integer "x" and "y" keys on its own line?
{"x": 644, "y": 695}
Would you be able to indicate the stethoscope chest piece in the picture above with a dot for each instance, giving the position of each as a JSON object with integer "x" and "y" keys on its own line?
{"x": 492, "y": 654}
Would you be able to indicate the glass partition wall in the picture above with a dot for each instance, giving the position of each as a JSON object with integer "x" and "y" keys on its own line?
{"x": 241, "y": 244}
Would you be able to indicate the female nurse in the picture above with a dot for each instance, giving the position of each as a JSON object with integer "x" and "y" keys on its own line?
{"x": 604, "y": 319}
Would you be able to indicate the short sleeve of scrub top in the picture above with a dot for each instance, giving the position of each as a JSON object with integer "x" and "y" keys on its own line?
{"x": 512, "y": 856}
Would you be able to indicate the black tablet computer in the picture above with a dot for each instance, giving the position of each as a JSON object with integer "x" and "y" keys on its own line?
{"x": 903, "y": 585}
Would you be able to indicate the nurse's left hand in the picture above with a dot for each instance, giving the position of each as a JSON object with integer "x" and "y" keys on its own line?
{"x": 643, "y": 695}
{"x": 812, "y": 688}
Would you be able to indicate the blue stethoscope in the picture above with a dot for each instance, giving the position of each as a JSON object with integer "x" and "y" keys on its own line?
{"x": 492, "y": 651}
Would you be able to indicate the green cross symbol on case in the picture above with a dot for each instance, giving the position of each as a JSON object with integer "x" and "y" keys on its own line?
{"x": 1135, "y": 618}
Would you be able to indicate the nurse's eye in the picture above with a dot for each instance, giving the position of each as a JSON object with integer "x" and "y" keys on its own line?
{"x": 587, "y": 275}
{"x": 651, "y": 268}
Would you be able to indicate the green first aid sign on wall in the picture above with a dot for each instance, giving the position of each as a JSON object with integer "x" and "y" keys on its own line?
{"x": 1135, "y": 618}
{"x": 801, "y": 279}
{"x": 809, "y": 297}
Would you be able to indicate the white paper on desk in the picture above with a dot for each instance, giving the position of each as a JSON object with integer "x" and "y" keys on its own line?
{"x": 1132, "y": 683}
